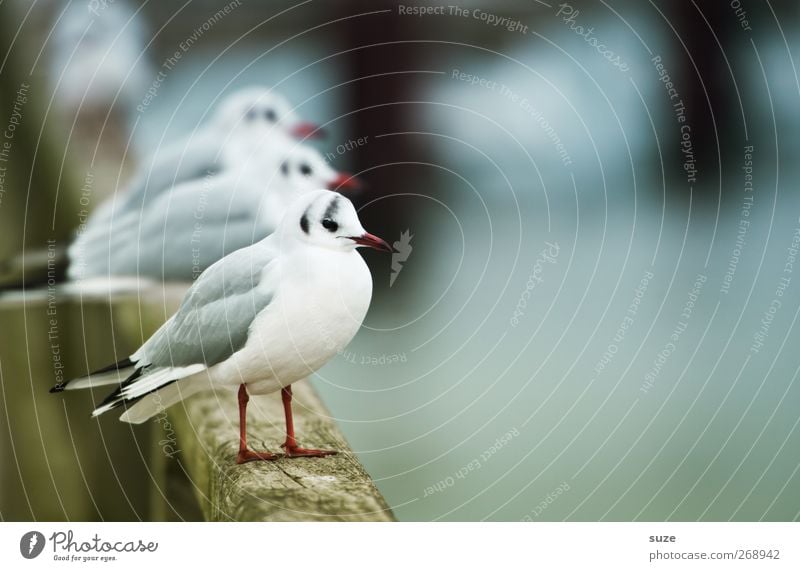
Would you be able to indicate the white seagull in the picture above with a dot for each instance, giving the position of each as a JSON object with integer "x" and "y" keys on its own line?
{"x": 251, "y": 121}
{"x": 185, "y": 230}
{"x": 96, "y": 58}
{"x": 259, "y": 319}
{"x": 254, "y": 123}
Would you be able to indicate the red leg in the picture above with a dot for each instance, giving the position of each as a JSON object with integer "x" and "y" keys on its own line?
{"x": 246, "y": 455}
{"x": 291, "y": 447}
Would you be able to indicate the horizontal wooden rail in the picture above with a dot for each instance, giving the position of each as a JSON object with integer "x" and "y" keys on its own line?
{"x": 335, "y": 488}
{"x": 179, "y": 466}
{"x": 205, "y": 430}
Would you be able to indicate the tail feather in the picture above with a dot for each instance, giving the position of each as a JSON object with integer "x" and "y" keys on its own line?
{"x": 142, "y": 384}
{"x": 158, "y": 401}
{"x": 115, "y": 377}
{"x": 111, "y": 374}
{"x": 124, "y": 364}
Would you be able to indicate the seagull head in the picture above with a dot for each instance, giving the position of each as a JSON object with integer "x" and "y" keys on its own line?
{"x": 256, "y": 112}
{"x": 303, "y": 169}
{"x": 327, "y": 219}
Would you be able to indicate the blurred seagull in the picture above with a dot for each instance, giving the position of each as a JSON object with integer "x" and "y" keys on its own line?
{"x": 96, "y": 59}
{"x": 252, "y": 124}
{"x": 185, "y": 230}
{"x": 261, "y": 318}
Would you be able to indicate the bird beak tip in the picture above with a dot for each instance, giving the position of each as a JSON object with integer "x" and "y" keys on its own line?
{"x": 372, "y": 241}
{"x": 345, "y": 181}
{"x": 308, "y": 131}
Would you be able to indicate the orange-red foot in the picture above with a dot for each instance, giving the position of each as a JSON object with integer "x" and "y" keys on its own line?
{"x": 297, "y": 452}
{"x": 252, "y": 455}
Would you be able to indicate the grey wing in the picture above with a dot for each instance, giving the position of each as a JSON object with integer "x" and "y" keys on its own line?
{"x": 181, "y": 233}
{"x": 215, "y": 316}
{"x": 94, "y": 250}
{"x": 181, "y": 161}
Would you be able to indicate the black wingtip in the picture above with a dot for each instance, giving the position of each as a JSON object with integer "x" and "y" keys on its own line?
{"x": 125, "y": 363}
{"x": 114, "y": 399}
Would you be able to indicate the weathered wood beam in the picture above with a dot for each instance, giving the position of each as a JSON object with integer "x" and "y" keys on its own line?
{"x": 205, "y": 429}
{"x": 336, "y": 488}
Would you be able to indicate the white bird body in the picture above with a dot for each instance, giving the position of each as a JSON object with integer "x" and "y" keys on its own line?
{"x": 319, "y": 305}
{"x": 249, "y": 124}
{"x": 250, "y": 134}
{"x": 262, "y": 317}
{"x": 192, "y": 225}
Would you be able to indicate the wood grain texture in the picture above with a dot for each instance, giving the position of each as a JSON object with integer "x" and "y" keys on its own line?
{"x": 335, "y": 488}
{"x": 203, "y": 474}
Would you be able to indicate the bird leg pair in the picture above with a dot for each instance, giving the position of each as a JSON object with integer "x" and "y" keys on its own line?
{"x": 290, "y": 446}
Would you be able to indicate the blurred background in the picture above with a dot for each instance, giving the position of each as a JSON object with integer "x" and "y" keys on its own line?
{"x": 592, "y": 314}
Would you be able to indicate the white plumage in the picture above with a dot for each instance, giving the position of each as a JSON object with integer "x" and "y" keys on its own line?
{"x": 97, "y": 58}
{"x": 184, "y": 230}
{"x": 259, "y": 319}
{"x": 248, "y": 136}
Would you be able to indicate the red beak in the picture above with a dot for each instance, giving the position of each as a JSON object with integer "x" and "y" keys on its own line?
{"x": 345, "y": 181}
{"x": 307, "y": 131}
{"x": 371, "y": 241}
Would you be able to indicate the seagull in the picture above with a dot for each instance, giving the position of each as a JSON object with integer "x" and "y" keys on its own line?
{"x": 185, "y": 230}
{"x": 254, "y": 123}
{"x": 251, "y": 117}
{"x": 96, "y": 59}
{"x": 260, "y": 319}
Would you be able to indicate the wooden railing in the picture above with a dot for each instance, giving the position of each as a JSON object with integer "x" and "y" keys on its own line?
{"x": 180, "y": 465}
{"x": 335, "y": 488}
{"x": 57, "y": 463}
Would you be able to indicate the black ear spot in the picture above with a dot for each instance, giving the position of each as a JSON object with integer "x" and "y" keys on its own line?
{"x": 329, "y": 225}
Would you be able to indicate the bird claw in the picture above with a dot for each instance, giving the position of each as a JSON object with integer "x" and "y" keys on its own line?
{"x": 297, "y": 452}
{"x": 252, "y": 456}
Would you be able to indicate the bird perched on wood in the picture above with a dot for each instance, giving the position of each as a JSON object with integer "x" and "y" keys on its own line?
{"x": 254, "y": 124}
{"x": 251, "y": 122}
{"x": 259, "y": 319}
{"x": 194, "y": 224}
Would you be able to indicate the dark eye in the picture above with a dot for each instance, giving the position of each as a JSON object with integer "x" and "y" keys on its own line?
{"x": 271, "y": 115}
{"x": 250, "y": 115}
{"x": 329, "y": 225}
{"x": 305, "y": 169}
{"x": 285, "y": 169}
